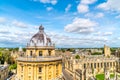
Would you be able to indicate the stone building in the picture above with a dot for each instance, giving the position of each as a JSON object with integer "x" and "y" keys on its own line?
{"x": 4, "y": 71}
{"x": 88, "y": 66}
{"x": 39, "y": 62}
{"x": 117, "y": 54}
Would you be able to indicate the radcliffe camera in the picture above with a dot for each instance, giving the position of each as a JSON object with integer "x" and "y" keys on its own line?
{"x": 59, "y": 40}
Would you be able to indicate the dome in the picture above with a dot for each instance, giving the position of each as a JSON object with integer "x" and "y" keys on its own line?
{"x": 40, "y": 38}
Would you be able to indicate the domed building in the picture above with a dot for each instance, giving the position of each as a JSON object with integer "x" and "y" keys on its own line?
{"x": 39, "y": 61}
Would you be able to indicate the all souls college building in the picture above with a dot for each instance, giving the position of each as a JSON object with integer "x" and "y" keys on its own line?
{"x": 39, "y": 62}
{"x": 88, "y": 66}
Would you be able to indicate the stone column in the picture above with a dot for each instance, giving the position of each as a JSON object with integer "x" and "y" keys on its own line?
{"x": 34, "y": 72}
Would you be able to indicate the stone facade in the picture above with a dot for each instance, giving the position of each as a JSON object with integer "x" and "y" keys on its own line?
{"x": 88, "y": 66}
{"x": 40, "y": 61}
{"x": 4, "y": 72}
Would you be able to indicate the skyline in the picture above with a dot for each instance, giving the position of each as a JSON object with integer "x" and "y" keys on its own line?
{"x": 74, "y": 23}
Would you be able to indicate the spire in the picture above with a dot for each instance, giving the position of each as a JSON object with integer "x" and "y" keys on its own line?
{"x": 41, "y": 28}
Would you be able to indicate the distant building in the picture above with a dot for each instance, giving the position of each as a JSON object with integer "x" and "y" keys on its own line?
{"x": 88, "y": 66}
{"x": 15, "y": 54}
{"x": 117, "y": 54}
{"x": 4, "y": 71}
{"x": 40, "y": 61}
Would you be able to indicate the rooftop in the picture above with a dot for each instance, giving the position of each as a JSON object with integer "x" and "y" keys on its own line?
{"x": 40, "y": 39}
{"x": 2, "y": 67}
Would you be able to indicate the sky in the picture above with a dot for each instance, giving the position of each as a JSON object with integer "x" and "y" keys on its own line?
{"x": 69, "y": 23}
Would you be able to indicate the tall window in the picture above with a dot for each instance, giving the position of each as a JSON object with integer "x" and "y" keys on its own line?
{"x": 21, "y": 68}
{"x": 84, "y": 65}
{"x": 101, "y": 64}
{"x": 91, "y": 65}
{"x": 104, "y": 64}
{"x": 40, "y": 53}
{"x": 30, "y": 53}
{"x": 49, "y": 53}
{"x": 98, "y": 65}
{"x": 94, "y": 65}
{"x": 40, "y": 69}
{"x": 107, "y": 64}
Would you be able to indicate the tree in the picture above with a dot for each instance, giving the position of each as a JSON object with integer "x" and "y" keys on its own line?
{"x": 96, "y": 53}
{"x": 77, "y": 57}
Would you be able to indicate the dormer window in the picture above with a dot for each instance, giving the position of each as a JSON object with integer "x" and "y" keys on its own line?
{"x": 40, "y": 53}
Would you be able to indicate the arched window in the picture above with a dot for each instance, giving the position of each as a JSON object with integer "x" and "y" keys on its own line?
{"x": 40, "y": 53}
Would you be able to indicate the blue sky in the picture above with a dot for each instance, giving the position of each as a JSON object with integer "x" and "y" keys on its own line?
{"x": 69, "y": 23}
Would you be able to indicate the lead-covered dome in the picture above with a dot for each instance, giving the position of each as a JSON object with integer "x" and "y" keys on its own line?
{"x": 40, "y": 38}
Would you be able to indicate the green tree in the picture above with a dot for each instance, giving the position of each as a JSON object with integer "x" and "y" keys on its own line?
{"x": 77, "y": 57}
{"x": 96, "y": 53}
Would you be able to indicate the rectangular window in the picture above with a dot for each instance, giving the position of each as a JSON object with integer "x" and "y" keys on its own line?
{"x": 49, "y": 53}
{"x": 94, "y": 65}
{"x": 84, "y": 65}
{"x": 101, "y": 65}
{"x": 30, "y": 53}
{"x": 104, "y": 64}
{"x": 91, "y": 65}
{"x": 39, "y": 78}
{"x": 40, "y": 53}
{"x": 40, "y": 69}
{"x": 98, "y": 65}
{"x": 107, "y": 64}
{"x": 21, "y": 68}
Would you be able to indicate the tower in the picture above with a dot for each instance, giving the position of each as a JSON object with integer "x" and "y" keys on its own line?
{"x": 107, "y": 51}
{"x": 39, "y": 62}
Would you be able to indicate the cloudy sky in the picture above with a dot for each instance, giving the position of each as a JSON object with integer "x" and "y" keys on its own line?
{"x": 69, "y": 23}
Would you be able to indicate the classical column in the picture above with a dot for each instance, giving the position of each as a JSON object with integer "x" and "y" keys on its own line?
{"x": 47, "y": 71}
{"x": 34, "y": 72}
{"x": 25, "y": 71}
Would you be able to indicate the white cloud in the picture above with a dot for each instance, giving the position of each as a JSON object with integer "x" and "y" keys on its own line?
{"x": 2, "y": 19}
{"x": 81, "y": 25}
{"x": 49, "y": 8}
{"x": 94, "y": 15}
{"x": 53, "y": 2}
{"x": 112, "y": 5}
{"x": 88, "y": 1}
{"x": 82, "y": 8}
{"x": 19, "y": 24}
{"x": 4, "y": 31}
{"x": 104, "y": 33}
{"x": 99, "y": 15}
{"x": 68, "y": 7}
{"x": 108, "y": 33}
